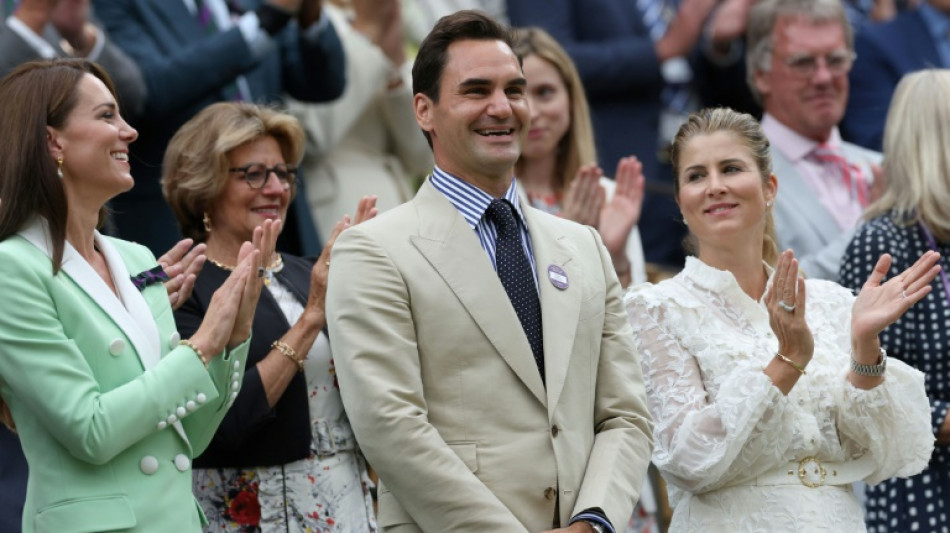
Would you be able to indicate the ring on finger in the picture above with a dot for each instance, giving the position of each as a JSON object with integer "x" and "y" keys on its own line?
{"x": 785, "y": 306}
{"x": 903, "y": 294}
{"x": 260, "y": 272}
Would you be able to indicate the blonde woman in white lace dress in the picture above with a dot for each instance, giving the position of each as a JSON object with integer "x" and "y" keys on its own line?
{"x": 770, "y": 393}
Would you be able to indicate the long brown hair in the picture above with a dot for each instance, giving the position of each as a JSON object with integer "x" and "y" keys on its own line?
{"x": 576, "y": 148}
{"x": 33, "y": 96}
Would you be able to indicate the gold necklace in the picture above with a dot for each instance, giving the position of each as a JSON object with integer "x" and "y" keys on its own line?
{"x": 275, "y": 264}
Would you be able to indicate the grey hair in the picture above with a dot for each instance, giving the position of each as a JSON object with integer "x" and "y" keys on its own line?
{"x": 762, "y": 19}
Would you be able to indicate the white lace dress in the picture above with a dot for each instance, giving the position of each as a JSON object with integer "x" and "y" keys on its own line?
{"x": 720, "y": 422}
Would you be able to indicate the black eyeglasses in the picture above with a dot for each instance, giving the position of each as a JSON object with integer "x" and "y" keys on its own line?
{"x": 256, "y": 174}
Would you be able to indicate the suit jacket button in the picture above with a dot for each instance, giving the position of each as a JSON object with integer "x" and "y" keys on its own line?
{"x": 162, "y": 425}
{"x": 116, "y": 347}
{"x": 201, "y": 398}
{"x": 173, "y": 340}
{"x": 149, "y": 465}
{"x": 237, "y": 365}
{"x": 172, "y": 418}
{"x": 550, "y": 493}
{"x": 182, "y": 463}
{"x": 555, "y": 430}
{"x": 181, "y": 412}
{"x": 191, "y": 405}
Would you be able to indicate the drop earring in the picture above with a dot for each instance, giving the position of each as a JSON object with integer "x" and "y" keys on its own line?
{"x": 206, "y": 220}
{"x": 59, "y": 167}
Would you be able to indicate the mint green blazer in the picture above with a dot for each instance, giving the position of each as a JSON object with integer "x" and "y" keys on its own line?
{"x": 109, "y": 407}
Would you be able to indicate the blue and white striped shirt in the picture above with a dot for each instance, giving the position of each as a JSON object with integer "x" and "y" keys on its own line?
{"x": 472, "y": 203}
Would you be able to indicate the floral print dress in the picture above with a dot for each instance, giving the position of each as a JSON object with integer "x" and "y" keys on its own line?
{"x": 327, "y": 492}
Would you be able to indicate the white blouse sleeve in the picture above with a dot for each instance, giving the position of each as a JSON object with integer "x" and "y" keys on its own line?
{"x": 704, "y": 440}
{"x": 891, "y": 422}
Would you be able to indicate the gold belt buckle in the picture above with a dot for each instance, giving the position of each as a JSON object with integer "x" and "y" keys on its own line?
{"x": 808, "y": 478}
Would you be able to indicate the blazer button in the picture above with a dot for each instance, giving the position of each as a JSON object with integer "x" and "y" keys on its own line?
{"x": 181, "y": 412}
{"x": 172, "y": 418}
{"x": 237, "y": 365}
{"x": 550, "y": 493}
{"x": 182, "y": 463}
{"x": 173, "y": 340}
{"x": 236, "y": 376}
{"x": 201, "y": 398}
{"x": 149, "y": 465}
{"x": 116, "y": 347}
{"x": 555, "y": 430}
{"x": 191, "y": 405}
{"x": 162, "y": 425}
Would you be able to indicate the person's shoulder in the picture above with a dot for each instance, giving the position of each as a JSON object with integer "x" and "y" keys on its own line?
{"x": 136, "y": 256}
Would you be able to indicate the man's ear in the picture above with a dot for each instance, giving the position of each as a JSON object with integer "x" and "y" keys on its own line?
{"x": 54, "y": 143}
{"x": 762, "y": 83}
{"x": 423, "y": 108}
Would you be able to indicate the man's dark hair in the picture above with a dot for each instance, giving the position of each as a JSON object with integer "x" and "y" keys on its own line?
{"x": 462, "y": 25}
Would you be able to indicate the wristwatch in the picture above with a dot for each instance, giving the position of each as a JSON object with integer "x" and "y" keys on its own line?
{"x": 598, "y": 528}
{"x": 871, "y": 370}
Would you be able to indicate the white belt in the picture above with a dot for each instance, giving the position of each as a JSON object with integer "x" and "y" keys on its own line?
{"x": 813, "y": 473}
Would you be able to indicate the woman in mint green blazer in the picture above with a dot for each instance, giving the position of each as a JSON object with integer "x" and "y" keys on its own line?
{"x": 109, "y": 403}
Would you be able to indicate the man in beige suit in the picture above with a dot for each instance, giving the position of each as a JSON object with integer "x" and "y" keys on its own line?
{"x": 486, "y": 401}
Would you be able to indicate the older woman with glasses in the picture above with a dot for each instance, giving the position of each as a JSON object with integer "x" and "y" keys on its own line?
{"x": 284, "y": 458}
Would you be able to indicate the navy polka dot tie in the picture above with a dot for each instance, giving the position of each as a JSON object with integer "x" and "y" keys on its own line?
{"x": 514, "y": 270}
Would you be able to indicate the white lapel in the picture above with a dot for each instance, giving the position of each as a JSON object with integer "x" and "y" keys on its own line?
{"x": 133, "y": 317}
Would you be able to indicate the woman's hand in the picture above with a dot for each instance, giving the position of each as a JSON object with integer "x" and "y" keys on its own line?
{"x": 584, "y": 197}
{"x": 262, "y": 246}
{"x": 785, "y": 302}
{"x": 182, "y": 264}
{"x": 879, "y": 305}
{"x": 316, "y": 301}
{"x": 620, "y": 214}
{"x": 218, "y": 322}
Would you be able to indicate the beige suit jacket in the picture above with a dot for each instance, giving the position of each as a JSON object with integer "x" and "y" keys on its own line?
{"x": 440, "y": 385}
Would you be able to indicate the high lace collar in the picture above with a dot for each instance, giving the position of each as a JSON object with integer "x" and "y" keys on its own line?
{"x": 721, "y": 281}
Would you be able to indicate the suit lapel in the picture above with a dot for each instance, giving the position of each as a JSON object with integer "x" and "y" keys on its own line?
{"x": 559, "y": 308}
{"x": 452, "y": 248}
{"x": 797, "y": 197}
{"x": 134, "y": 318}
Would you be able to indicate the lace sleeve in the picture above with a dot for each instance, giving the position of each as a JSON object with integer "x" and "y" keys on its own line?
{"x": 704, "y": 439}
{"x": 890, "y": 422}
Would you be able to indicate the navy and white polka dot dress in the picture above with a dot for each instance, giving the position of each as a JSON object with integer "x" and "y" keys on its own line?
{"x": 921, "y": 338}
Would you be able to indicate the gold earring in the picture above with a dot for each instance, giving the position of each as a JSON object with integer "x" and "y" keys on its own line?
{"x": 59, "y": 167}
{"x": 206, "y": 220}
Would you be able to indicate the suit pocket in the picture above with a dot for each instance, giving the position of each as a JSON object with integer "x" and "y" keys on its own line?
{"x": 391, "y": 512}
{"x": 86, "y": 515}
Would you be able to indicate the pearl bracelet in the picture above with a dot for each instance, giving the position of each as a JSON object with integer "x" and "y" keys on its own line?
{"x": 188, "y": 343}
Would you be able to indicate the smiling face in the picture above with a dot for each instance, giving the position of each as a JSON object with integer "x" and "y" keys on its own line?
{"x": 94, "y": 145}
{"x": 721, "y": 192}
{"x": 239, "y": 208}
{"x": 550, "y": 108}
{"x": 480, "y": 121}
{"x": 811, "y": 106}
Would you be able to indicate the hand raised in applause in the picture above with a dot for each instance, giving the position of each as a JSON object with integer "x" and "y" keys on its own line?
{"x": 316, "y": 301}
{"x": 621, "y": 212}
{"x": 584, "y": 197}
{"x": 182, "y": 263}
{"x": 785, "y": 302}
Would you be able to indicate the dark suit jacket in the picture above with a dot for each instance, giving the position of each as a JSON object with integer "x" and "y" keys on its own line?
{"x": 13, "y": 474}
{"x": 185, "y": 70}
{"x": 128, "y": 81}
{"x": 253, "y": 434}
{"x": 885, "y": 53}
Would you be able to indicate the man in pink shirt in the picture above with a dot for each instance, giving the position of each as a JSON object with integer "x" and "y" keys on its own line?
{"x": 799, "y": 53}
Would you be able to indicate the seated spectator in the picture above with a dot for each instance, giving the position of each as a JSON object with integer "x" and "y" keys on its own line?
{"x": 558, "y": 165}
{"x": 915, "y": 40}
{"x": 367, "y": 141}
{"x": 798, "y": 56}
{"x": 912, "y": 217}
{"x": 284, "y": 457}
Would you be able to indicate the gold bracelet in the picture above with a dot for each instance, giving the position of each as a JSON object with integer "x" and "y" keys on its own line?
{"x": 188, "y": 343}
{"x": 797, "y": 366}
{"x": 285, "y": 349}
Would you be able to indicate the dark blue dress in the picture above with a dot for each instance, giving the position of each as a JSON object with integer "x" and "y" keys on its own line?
{"x": 921, "y": 338}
